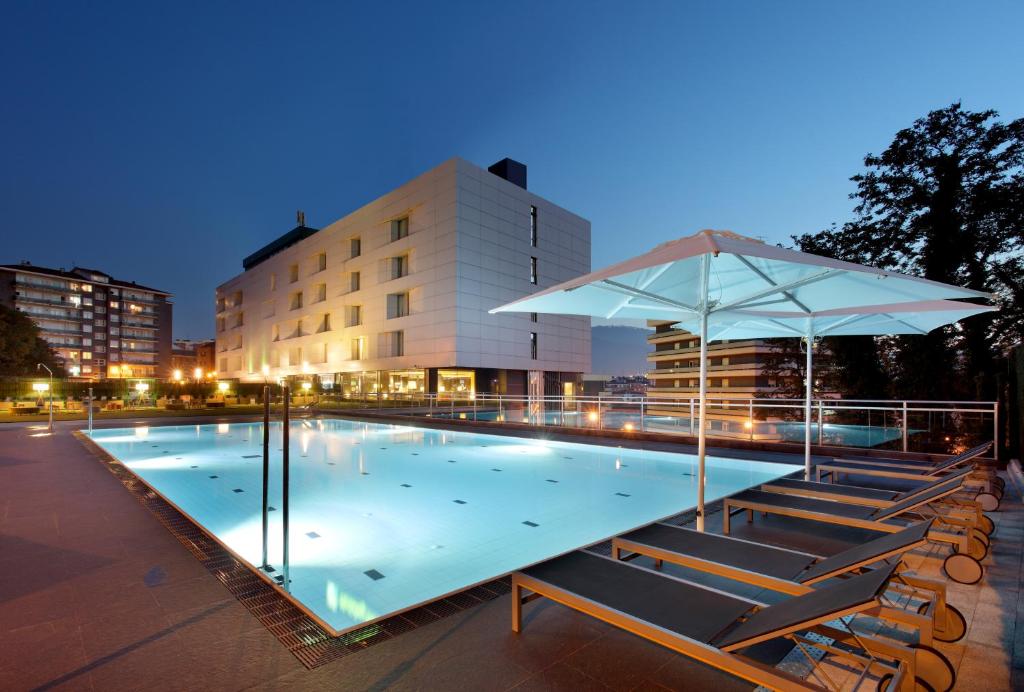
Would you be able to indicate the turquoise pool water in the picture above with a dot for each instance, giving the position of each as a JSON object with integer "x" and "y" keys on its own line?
{"x": 385, "y": 517}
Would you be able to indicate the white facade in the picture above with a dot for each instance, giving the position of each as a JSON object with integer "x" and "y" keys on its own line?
{"x": 468, "y": 249}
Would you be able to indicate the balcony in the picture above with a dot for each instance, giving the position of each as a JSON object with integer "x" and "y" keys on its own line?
{"x": 46, "y": 301}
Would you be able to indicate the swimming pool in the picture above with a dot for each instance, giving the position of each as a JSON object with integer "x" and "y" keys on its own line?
{"x": 386, "y": 517}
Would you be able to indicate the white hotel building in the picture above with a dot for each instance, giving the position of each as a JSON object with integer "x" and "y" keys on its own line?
{"x": 394, "y": 297}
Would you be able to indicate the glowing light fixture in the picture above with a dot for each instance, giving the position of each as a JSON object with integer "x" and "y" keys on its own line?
{"x": 306, "y": 386}
{"x": 223, "y": 386}
{"x": 141, "y": 387}
{"x": 592, "y": 416}
{"x": 628, "y": 427}
{"x": 198, "y": 373}
{"x": 177, "y": 375}
{"x": 747, "y": 425}
{"x": 40, "y": 387}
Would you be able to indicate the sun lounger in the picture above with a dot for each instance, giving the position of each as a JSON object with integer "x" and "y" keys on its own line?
{"x": 966, "y": 502}
{"x": 970, "y": 543}
{"x": 795, "y": 573}
{"x": 711, "y": 626}
{"x": 917, "y": 471}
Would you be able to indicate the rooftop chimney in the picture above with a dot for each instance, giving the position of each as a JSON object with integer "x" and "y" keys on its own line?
{"x": 510, "y": 170}
{"x": 300, "y": 218}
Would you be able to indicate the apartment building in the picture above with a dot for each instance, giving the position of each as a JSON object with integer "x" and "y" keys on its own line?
{"x": 99, "y": 326}
{"x": 736, "y": 369}
{"x": 394, "y": 297}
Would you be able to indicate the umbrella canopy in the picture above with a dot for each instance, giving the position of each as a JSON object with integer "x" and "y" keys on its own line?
{"x": 671, "y": 282}
{"x": 718, "y": 271}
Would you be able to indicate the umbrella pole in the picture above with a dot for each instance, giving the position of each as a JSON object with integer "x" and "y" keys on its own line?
{"x": 809, "y": 392}
{"x": 701, "y": 431}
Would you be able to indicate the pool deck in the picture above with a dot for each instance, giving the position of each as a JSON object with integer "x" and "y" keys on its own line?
{"x": 96, "y": 594}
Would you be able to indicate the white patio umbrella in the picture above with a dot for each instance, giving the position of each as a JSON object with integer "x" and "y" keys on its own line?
{"x": 718, "y": 271}
{"x": 918, "y": 317}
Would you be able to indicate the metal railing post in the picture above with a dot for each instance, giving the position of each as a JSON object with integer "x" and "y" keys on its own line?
{"x": 643, "y": 425}
{"x": 600, "y": 414}
{"x": 905, "y": 433}
{"x": 284, "y": 486}
{"x": 821, "y": 420}
{"x": 474, "y": 405}
{"x": 691, "y": 415}
{"x": 750, "y": 417}
{"x": 90, "y": 411}
{"x": 995, "y": 430}
{"x": 266, "y": 472}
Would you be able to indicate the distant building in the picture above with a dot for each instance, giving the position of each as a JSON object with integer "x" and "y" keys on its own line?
{"x": 736, "y": 369}
{"x": 100, "y": 327}
{"x": 394, "y": 297}
{"x": 189, "y": 356}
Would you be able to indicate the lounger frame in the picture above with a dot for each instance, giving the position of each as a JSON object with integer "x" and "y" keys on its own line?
{"x": 726, "y": 658}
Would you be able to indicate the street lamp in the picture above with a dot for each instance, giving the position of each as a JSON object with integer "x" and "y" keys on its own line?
{"x": 177, "y": 375}
{"x": 50, "y": 388}
{"x": 198, "y": 373}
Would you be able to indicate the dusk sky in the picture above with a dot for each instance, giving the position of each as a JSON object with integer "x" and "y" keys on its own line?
{"x": 162, "y": 143}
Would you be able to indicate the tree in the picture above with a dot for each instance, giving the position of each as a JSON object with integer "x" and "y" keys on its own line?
{"x": 21, "y": 347}
{"x": 944, "y": 201}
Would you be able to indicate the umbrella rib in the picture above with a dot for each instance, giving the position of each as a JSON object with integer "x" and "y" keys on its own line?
{"x": 785, "y": 326}
{"x": 643, "y": 286}
{"x": 772, "y": 282}
{"x": 843, "y": 322}
{"x": 907, "y": 324}
{"x": 608, "y": 284}
{"x": 780, "y": 288}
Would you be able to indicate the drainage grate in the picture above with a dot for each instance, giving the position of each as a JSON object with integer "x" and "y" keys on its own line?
{"x": 298, "y": 632}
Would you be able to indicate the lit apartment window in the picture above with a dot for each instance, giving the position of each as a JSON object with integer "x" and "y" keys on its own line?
{"x": 533, "y": 270}
{"x": 86, "y": 355}
{"x": 353, "y": 282}
{"x": 355, "y": 247}
{"x": 358, "y": 348}
{"x": 87, "y": 288}
{"x": 321, "y": 261}
{"x": 533, "y": 345}
{"x": 533, "y": 226}
{"x": 398, "y": 305}
{"x": 115, "y": 304}
{"x": 321, "y": 292}
{"x": 113, "y": 343}
{"x": 296, "y": 301}
{"x": 293, "y": 273}
{"x": 353, "y": 315}
{"x": 399, "y": 229}
{"x": 399, "y": 267}
{"x": 325, "y": 323}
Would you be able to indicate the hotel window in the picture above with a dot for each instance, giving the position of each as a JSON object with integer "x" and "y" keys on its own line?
{"x": 101, "y": 323}
{"x": 533, "y": 345}
{"x": 113, "y": 343}
{"x": 86, "y": 355}
{"x": 355, "y": 247}
{"x": 115, "y": 317}
{"x": 394, "y": 343}
{"x": 240, "y": 319}
{"x": 275, "y": 332}
{"x": 533, "y": 317}
{"x": 223, "y": 364}
{"x": 533, "y": 226}
{"x": 221, "y": 324}
{"x": 114, "y": 304}
{"x": 353, "y": 315}
{"x": 100, "y": 348}
{"x": 321, "y": 292}
{"x": 87, "y": 315}
{"x": 87, "y": 288}
{"x": 399, "y": 229}
{"x": 325, "y": 323}
{"x": 101, "y": 310}
{"x": 533, "y": 270}
{"x": 273, "y": 282}
{"x": 353, "y": 282}
{"x": 87, "y": 342}
{"x": 86, "y": 327}
{"x": 296, "y": 300}
{"x": 293, "y": 273}
{"x": 321, "y": 261}
{"x": 399, "y": 267}
{"x": 398, "y": 305}
{"x": 358, "y": 348}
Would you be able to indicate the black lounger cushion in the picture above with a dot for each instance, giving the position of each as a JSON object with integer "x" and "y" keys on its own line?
{"x": 919, "y": 499}
{"x": 799, "y": 612}
{"x": 841, "y": 562}
{"x": 835, "y": 488}
{"x": 807, "y": 504}
{"x": 763, "y": 559}
{"x": 690, "y": 610}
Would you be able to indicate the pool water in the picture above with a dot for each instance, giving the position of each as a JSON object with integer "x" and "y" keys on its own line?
{"x": 386, "y": 517}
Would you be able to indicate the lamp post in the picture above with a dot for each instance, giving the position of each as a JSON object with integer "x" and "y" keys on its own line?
{"x": 50, "y": 388}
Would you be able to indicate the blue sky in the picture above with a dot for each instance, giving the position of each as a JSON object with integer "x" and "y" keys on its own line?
{"x": 164, "y": 143}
